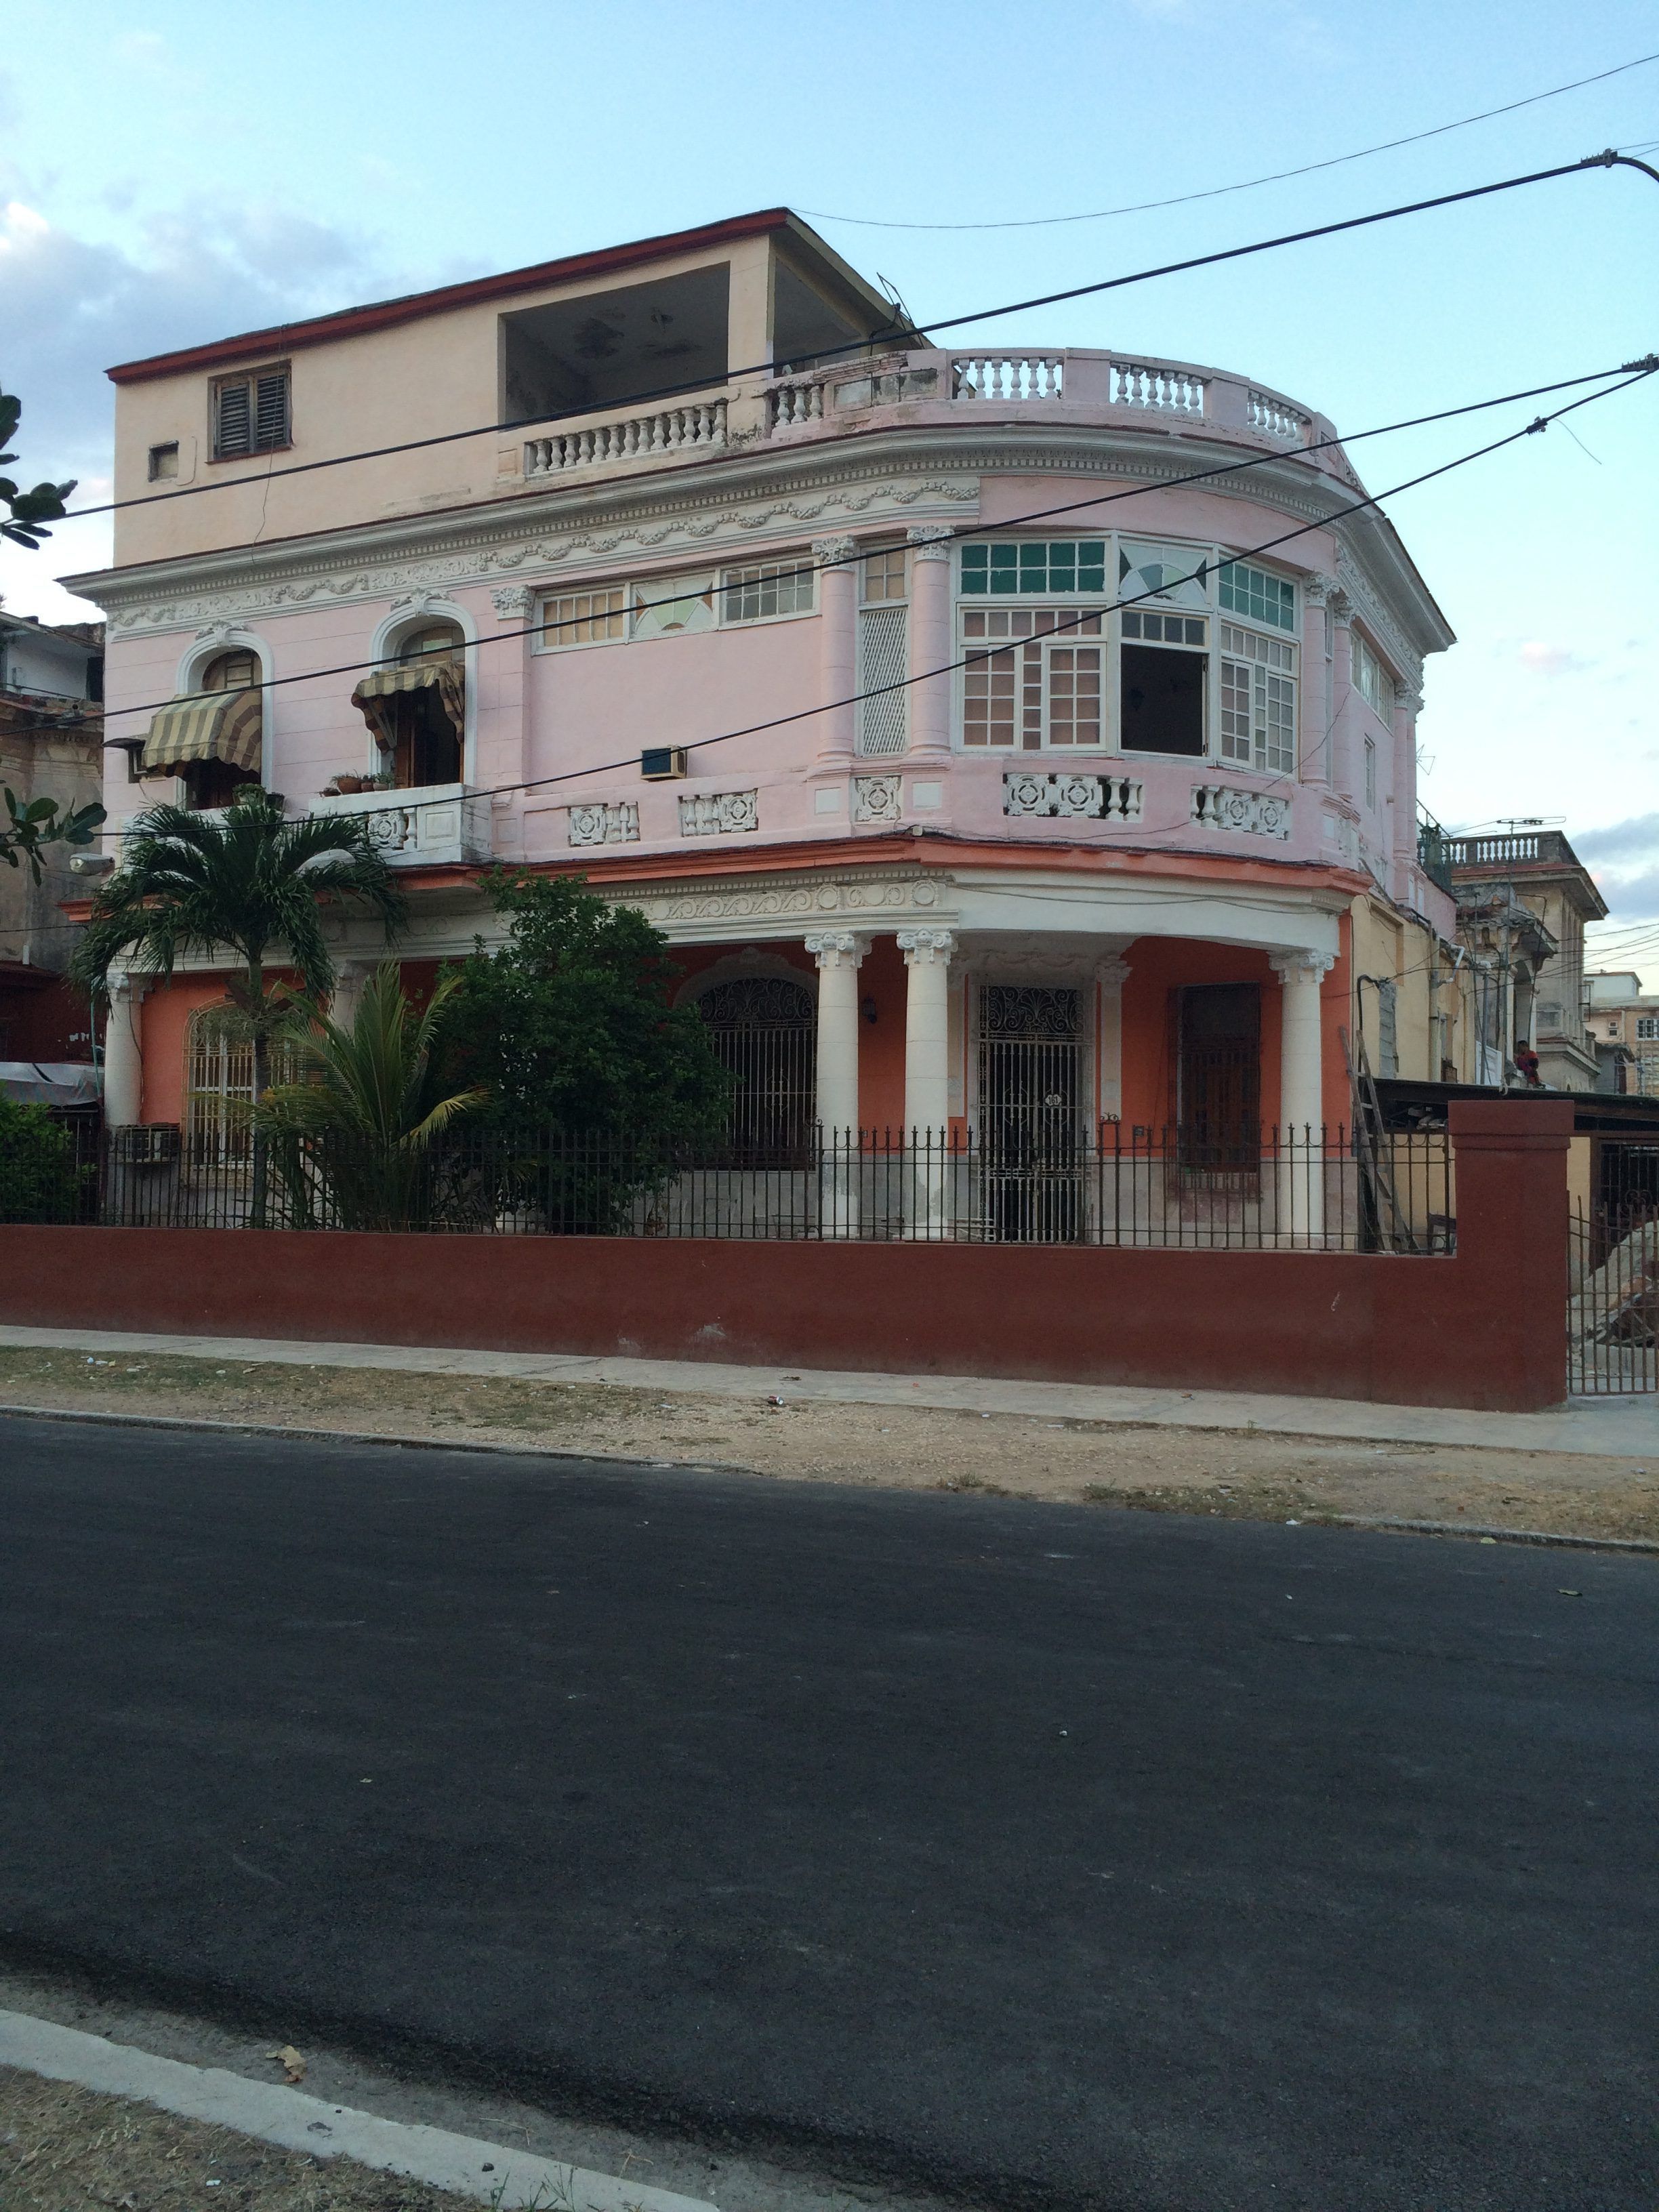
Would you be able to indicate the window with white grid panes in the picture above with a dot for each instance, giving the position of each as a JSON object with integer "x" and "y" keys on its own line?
{"x": 1647, "y": 1026}
{"x": 763, "y": 590}
{"x": 1371, "y": 679}
{"x": 1258, "y": 700}
{"x": 594, "y": 617}
{"x": 1034, "y": 678}
{"x": 1257, "y": 594}
{"x": 884, "y": 653}
{"x": 1033, "y": 567}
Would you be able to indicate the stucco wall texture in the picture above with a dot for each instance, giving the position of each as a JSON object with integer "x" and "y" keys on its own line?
{"x": 1486, "y": 1329}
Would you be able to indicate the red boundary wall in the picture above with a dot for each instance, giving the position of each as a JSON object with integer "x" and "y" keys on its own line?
{"x": 1484, "y": 1329}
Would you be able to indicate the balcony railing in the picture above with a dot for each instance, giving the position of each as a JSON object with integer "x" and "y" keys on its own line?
{"x": 436, "y": 824}
{"x": 1548, "y": 845}
{"x": 810, "y": 401}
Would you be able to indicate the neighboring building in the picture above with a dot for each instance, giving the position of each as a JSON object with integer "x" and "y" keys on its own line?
{"x": 51, "y": 747}
{"x": 1120, "y": 864}
{"x": 1523, "y": 898}
{"x": 1623, "y": 1021}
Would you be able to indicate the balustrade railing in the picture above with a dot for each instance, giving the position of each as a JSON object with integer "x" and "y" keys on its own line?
{"x": 1276, "y": 418}
{"x": 1157, "y": 391}
{"x": 1037, "y": 1177}
{"x": 699, "y": 424}
{"x": 1007, "y": 376}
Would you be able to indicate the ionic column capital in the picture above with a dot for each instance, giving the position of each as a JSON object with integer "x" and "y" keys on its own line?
{"x": 930, "y": 541}
{"x": 1302, "y": 966}
{"x": 927, "y": 948}
{"x": 837, "y": 948}
{"x": 1341, "y": 605}
{"x": 1112, "y": 974}
{"x": 835, "y": 552}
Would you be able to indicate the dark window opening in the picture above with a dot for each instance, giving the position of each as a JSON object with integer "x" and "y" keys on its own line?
{"x": 426, "y": 746}
{"x": 1219, "y": 1103}
{"x": 163, "y": 462}
{"x": 1163, "y": 701}
{"x": 616, "y": 348}
{"x": 765, "y": 1033}
{"x": 215, "y": 783}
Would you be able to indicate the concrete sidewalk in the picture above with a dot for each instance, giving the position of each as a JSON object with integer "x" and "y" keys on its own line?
{"x": 1615, "y": 1428}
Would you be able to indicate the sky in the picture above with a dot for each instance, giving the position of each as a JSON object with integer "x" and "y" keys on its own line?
{"x": 150, "y": 197}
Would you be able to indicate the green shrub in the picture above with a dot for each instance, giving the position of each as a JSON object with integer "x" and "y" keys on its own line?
{"x": 39, "y": 1178}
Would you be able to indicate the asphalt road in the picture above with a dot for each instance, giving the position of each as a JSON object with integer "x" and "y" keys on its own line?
{"x": 1040, "y": 1856}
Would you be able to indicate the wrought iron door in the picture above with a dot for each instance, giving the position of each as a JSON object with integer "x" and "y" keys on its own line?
{"x": 1030, "y": 1101}
{"x": 764, "y": 1032}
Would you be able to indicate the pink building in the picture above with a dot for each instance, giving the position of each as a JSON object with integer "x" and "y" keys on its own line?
{"x": 681, "y": 502}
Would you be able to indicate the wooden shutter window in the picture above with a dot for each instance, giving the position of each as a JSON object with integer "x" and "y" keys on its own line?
{"x": 270, "y": 412}
{"x": 233, "y": 429}
{"x": 251, "y": 414}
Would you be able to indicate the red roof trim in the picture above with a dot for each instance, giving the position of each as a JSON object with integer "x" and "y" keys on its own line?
{"x": 348, "y": 322}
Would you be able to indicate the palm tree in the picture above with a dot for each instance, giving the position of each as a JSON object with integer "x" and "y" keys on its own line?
{"x": 247, "y": 881}
{"x": 361, "y": 1119}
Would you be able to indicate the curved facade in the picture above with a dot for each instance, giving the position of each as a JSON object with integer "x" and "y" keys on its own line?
{"x": 920, "y": 679}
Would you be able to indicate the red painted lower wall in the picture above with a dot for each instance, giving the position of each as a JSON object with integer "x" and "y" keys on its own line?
{"x": 1486, "y": 1329}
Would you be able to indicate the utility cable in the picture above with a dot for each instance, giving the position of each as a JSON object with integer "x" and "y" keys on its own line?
{"x": 904, "y": 682}
{"x": 958, "y": 530}
{"x": 892, "y": 334}
{"x": 1249, "y": 184}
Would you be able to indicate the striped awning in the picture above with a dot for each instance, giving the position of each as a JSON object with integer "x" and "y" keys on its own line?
{"x": 226, "y": 726}
{"x": 373, "y": 697}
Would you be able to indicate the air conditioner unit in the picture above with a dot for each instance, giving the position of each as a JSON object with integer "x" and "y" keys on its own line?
{"x": 146, "y": 1145}
{"x": 663, "y": 764}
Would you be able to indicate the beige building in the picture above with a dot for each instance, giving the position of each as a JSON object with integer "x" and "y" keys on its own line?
{"x": 1624, "y": 1027}
{"x": 1522, "y": 901}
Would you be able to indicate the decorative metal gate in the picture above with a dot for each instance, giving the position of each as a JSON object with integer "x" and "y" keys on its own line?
{"x": 764, "y": 1032}
{"x": 1613, "y": 1313}
{"x": 1031, "y": 1083}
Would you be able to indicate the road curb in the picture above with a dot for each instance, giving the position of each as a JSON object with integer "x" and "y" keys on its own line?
{"x": 114, "y": 1420}
{"x": 489, "y": 2173}
{"x": 1492, "y": 1535}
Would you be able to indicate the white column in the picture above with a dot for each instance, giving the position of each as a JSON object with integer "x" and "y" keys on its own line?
{"x": 1301, "y": 1098}
{"x": 123, "y": 1057}
{"x": 927, "y": 1072}
{"x": 838, "y": 953}
{"x": 1345, "y": 771}
{"x": 930, "y": 642}
{"x": 926, "y": 1029}
{"x": 837, "y": 650}
{"x": 1407, "y": 704}
{"x": 1112, "y": 975}
{"x": 350, "y": 977}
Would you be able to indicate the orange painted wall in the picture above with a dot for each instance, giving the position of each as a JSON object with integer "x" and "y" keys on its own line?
{"x": 881, "y": 1042}
{"x": 167, "y": 1010}
{"x": 1159, "y": 966}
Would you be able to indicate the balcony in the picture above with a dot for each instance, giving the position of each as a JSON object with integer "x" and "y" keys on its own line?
{"x": 1079, "y": 387}
{"x": 436, "y": 826}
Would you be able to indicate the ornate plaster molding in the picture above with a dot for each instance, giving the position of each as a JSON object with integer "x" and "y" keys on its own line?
{"x": 927, "y": 948}
{"x": 930, "y": 541}
{"x": 835, "y": 552}
{"x": 1301, "y": 965}
{"x": 837, "y": 948}
{"x": 809, "y": 902}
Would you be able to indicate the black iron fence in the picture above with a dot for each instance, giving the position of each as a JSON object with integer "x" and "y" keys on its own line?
{"x": 1271, "y": 1189}
{"x": 1613, "y": 1312}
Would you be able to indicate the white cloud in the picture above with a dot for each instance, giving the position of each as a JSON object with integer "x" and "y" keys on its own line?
{"x": 1543, "y": 659}
{"x": 69, "y": 307}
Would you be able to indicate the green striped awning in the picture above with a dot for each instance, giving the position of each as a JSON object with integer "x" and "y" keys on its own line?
{"x": 226, "y": 726}
{"x": 374, "y": 695}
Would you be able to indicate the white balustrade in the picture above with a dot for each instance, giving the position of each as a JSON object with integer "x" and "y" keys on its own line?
{"x": 1247, "y": 813}
{"x": 797, "y": 401}
{"x": 435, "y": 824}
{"x": 1007, "y": 376}
{"x": 1031, "y": 792}
{"x": 699, "y": 426}
{"x": 1156, "y": 390}
{"x": 1276, "y": 418}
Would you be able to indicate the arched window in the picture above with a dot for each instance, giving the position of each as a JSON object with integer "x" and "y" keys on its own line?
{"x": 214, "y": 782}
{"x": 424, "y": 728}
{"x": 764, "y": 1032}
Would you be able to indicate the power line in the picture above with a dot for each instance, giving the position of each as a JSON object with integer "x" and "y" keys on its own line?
{"x": 1610, "y": 159}
{"x": 1249, "y": 184}
{"x": 405, "y": 804}
{"x": 980, "y": 529}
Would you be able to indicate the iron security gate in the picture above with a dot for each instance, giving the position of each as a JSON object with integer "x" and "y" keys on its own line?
{"x": 1030, "y": 1072}
{"x": 764, "y": 1032}
{"x": 1613, "y": 1315}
